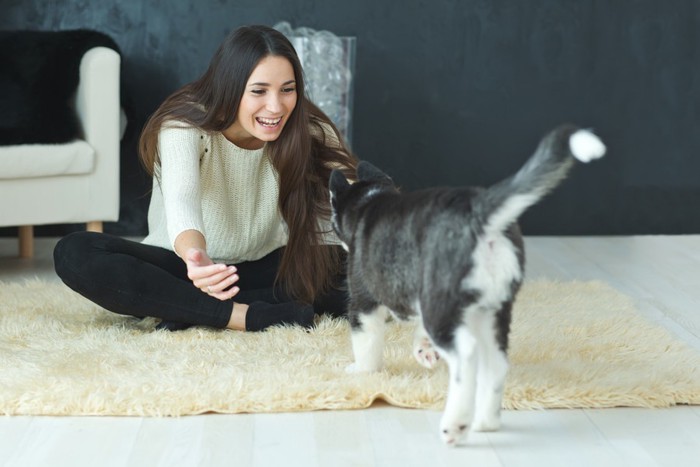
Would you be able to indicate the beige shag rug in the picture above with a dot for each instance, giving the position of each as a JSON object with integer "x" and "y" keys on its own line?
{"x": 573, "y": 344}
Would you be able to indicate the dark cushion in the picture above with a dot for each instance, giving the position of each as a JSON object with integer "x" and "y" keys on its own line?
{"x": 39, "y": 73}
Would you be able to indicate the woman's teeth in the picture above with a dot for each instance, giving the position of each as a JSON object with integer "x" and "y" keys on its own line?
{"x": 269, "y": 122}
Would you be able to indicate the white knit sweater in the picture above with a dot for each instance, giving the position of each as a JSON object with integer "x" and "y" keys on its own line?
{"x": 227, "y": 193}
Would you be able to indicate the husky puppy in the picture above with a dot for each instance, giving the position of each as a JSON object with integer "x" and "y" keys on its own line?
{"x": 453, "y": 259}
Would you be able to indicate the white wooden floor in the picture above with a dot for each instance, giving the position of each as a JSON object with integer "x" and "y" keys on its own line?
{"x": 662, "y": 273}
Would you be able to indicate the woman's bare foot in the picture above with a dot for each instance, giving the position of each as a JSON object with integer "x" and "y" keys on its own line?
{"x": 237, "y": 320}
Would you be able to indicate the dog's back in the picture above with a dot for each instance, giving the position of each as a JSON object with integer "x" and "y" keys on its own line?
{"x": 418, "y": 247}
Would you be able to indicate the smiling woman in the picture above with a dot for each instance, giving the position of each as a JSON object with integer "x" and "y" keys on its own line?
{"x": 239, "y": 233}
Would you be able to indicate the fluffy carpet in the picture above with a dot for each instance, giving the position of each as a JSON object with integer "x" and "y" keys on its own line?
{"x": 573, "y": 344}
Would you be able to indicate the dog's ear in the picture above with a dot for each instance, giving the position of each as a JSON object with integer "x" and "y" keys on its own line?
{"x": 338, "y": 183}
{"x": 366, "y": 172}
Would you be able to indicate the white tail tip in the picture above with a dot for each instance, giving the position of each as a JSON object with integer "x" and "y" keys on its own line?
{"x": 585, "y": 146}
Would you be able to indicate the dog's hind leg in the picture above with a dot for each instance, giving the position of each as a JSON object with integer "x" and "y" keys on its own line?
{"x": 461, "y": 359}
{"x": 491, "y": 374}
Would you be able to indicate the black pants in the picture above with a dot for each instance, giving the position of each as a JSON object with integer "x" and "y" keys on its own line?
{"x": 131, "y": 278}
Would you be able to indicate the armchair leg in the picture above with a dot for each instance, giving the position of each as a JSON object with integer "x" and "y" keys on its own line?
{"x": 94, "y": 226}
{"x": 26, "y": 241}
{"x": 26, "y": 237}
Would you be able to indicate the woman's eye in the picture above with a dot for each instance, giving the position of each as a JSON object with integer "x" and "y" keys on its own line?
{"x": 258, "y": 91}
{"x": 288, "y": 90}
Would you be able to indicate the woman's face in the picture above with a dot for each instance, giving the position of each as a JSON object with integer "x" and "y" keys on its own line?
{"x": 268, "y": 100}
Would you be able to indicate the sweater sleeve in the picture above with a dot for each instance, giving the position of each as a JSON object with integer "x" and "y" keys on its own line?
{"x": 180, "y": 149}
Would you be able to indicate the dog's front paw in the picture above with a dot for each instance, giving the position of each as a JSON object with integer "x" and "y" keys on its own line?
{"x": 425, "y": 353}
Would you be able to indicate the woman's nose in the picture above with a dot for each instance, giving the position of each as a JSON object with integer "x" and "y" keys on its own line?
{"x": 274, "y": 103}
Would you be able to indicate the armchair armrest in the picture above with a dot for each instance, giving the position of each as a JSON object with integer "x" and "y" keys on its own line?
{"x": 98, "y": 109}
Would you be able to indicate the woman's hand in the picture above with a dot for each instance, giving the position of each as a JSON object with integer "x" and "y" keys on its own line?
{"x": 212, "y": 279}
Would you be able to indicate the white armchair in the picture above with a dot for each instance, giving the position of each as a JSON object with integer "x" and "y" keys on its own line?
{"x": 72, "y": 182}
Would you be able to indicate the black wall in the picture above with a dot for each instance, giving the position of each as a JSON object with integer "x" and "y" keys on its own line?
{"x": 451, "y": 92}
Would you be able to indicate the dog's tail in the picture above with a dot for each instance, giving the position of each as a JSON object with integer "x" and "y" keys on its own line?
{"x": 504, "y": 202}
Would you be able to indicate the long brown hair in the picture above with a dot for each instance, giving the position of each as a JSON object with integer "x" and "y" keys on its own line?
{"x": 303, "y": 155}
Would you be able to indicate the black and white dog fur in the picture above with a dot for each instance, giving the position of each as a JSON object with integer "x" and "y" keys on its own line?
{"x": 453, "y": 258}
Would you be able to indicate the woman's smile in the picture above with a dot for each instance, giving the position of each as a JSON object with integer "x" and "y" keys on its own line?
{"x": 269, "y": 122}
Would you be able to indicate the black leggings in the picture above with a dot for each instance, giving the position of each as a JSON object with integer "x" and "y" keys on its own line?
{"x": 131, "y": 278}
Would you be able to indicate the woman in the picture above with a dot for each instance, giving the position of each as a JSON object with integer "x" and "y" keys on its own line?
{"x": 239, "y": 235}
